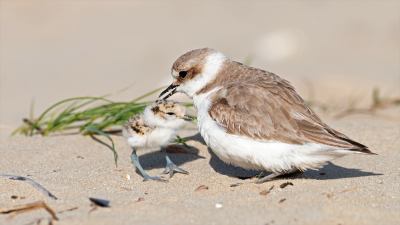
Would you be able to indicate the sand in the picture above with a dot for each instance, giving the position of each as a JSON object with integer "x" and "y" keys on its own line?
{"x": 357, "y": 189}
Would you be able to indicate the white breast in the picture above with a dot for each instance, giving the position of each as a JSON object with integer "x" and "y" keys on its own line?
{"x": 260, "y": 155}
{"x": 155, "y": 139}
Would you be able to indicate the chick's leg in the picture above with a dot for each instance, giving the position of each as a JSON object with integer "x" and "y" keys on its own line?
{"x": 145, "y": 175}
{"x": 171, "y": 168}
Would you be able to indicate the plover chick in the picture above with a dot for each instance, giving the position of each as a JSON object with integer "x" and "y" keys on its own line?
{"x": 154, "y": 129}
{"x": 254, "y": 119}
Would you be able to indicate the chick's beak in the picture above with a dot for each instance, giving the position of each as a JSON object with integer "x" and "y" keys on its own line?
{"x": 168, "y": 92}
{"x": 189, "y": 118}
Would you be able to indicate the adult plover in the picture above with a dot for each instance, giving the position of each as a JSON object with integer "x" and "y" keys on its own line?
{"x": 154, "y": 129}
{"x": 254, "y": 119}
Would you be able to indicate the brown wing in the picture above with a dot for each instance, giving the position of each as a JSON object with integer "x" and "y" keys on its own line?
{"x": 268, "y": 108}
{"x": 135, "y": 126}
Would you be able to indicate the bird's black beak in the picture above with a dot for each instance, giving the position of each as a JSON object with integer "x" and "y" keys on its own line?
{"x": 189, "y": 118}
{"x": 168, "y": 92}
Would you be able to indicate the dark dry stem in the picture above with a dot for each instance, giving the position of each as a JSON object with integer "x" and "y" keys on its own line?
{"x": 29, "y": 207}
{"x": 30, "y": 181}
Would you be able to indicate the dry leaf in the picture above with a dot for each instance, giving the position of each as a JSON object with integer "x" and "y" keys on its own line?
{"x": 201, "y": 187}
{"x": 285, "y": 184}
{"x": 29, "y": 207}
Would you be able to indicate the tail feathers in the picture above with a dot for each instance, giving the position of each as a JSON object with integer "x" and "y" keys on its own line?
{"x": 354, "y": 145}
{"x": 363, "y": 150}
{"x": 358, "y": 147}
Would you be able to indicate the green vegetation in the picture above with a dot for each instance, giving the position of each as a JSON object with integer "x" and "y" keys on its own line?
{"x": 92, "y": 116}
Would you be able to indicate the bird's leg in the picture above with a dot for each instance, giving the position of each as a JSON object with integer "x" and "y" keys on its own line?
{"x": 261, "y": 175}
{"x": 171, "y": 168}
{"x": 263, "y": 178}
{"x": 145, "y": 175}
{"x": 267, "y": 178}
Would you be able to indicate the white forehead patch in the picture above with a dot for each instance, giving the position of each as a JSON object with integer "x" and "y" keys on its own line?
{"x": 209, "y": 72}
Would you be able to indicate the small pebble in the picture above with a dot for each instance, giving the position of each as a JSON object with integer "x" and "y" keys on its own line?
{"x": 128, "y": 177}
{"x": 329, "y": 195}
{"x": 218, "y": 205}
{"x": 100, "y": 202}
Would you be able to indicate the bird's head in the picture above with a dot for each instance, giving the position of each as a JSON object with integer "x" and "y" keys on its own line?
{"x": 194, "y": 70}
{"x": 166, "y": 114}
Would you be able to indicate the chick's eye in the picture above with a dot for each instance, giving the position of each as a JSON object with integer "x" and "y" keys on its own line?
{"x": 182, "y": 74}
{"x": 170, "y": 113}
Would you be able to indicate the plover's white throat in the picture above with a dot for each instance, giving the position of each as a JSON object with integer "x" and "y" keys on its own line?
{"x": 154, "y": 129}
{"x": 253, "y": 118}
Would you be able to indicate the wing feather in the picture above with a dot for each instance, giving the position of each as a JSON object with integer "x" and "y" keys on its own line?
{"x": 268, "y": 108}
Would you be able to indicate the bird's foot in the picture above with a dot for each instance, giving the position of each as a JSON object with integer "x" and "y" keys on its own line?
{"x": 171, "y": 169}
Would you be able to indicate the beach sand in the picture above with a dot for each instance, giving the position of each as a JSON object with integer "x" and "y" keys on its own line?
{"x": 357, "y": 189}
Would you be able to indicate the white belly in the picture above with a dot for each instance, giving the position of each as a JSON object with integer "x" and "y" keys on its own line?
{"x": 259, "y": 155}
{"x": 154, "y": 140}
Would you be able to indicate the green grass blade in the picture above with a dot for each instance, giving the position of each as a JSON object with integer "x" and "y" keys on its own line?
{"x": 68, "y": 100}
{"x": 93, "y": 130}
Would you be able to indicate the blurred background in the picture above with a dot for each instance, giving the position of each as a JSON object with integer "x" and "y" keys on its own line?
{"x": 331, "y": 51}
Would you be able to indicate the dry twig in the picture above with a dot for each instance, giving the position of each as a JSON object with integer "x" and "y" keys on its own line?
{"x": 29, "y": 207}
{"x": 30, "y": 181}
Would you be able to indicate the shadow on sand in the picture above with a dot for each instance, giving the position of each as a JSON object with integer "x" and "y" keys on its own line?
{"x": 179, "y": 154}
{"x": 328, "y": 172}
{"x": 331, "y": 171}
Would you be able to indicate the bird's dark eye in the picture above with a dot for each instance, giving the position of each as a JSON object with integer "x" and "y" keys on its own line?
{"x": 182, "y": 74}
{"x": 170, "y": 113}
